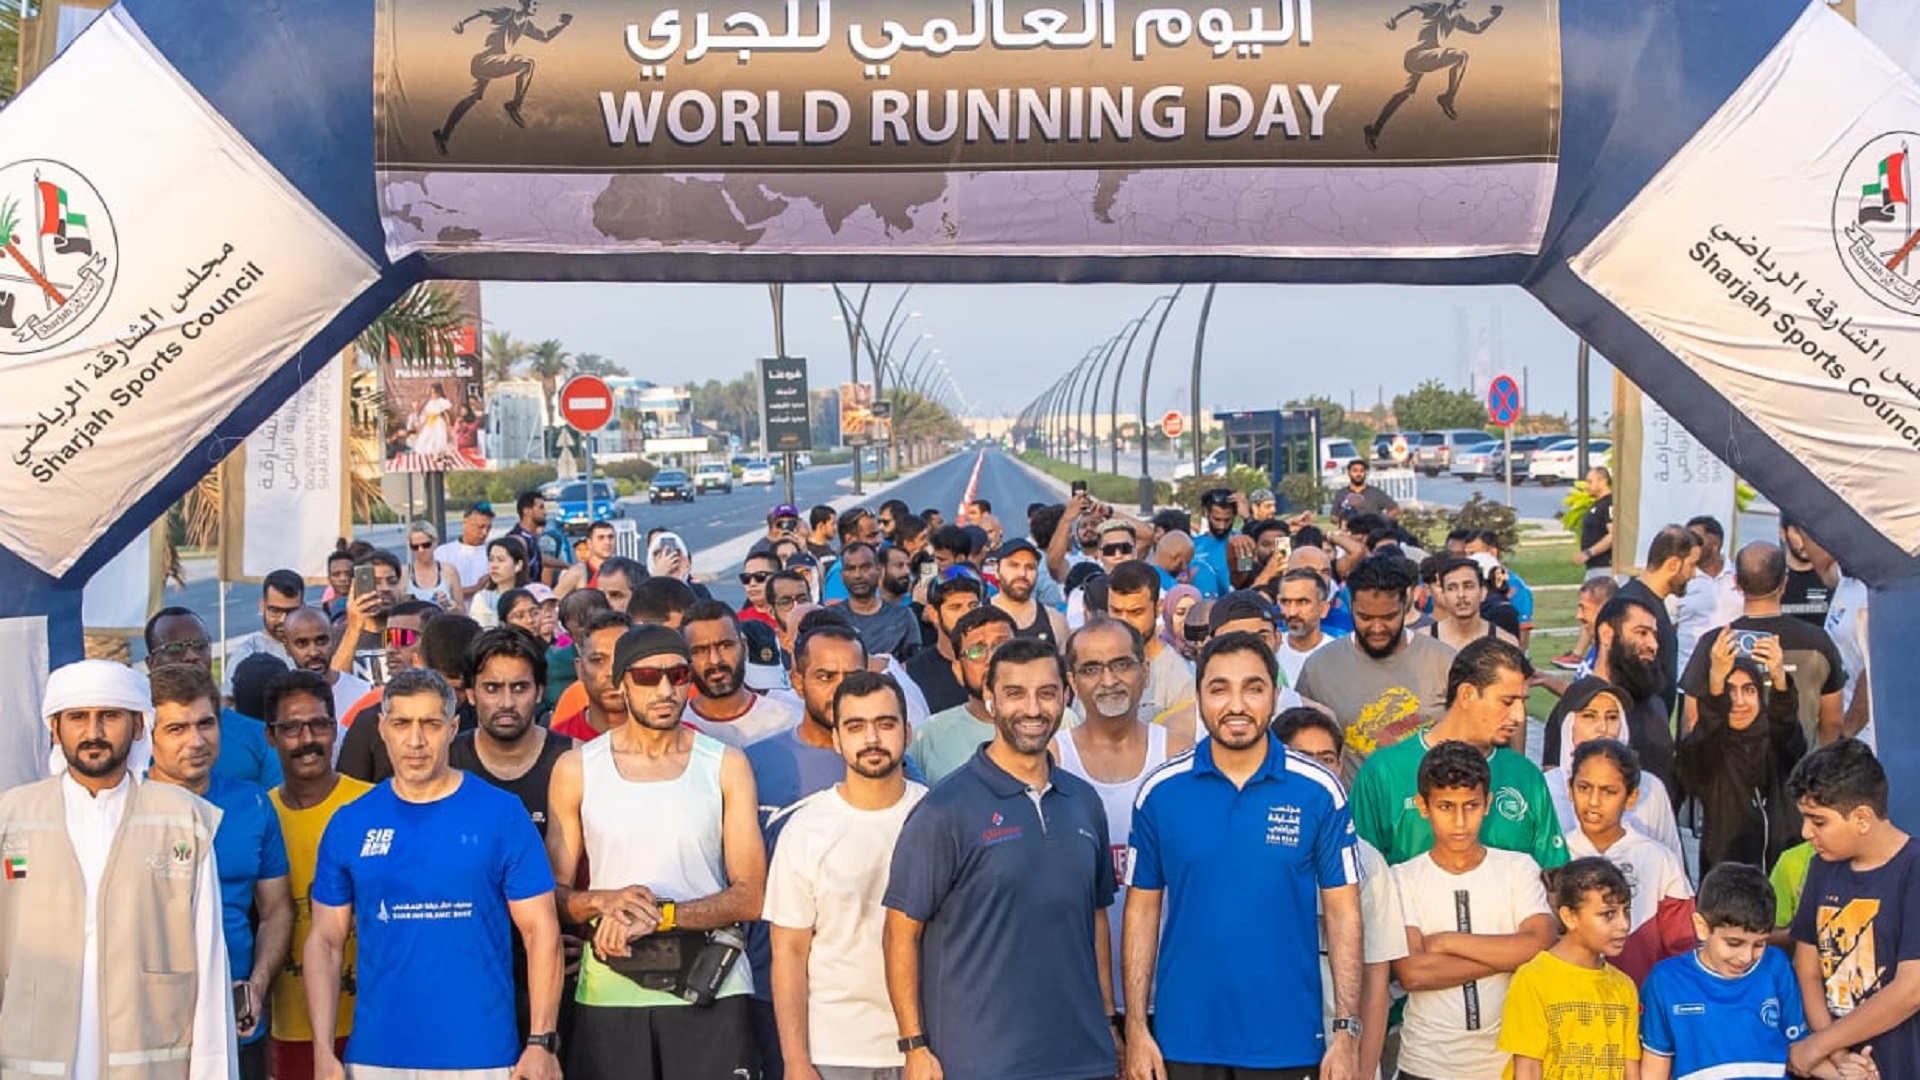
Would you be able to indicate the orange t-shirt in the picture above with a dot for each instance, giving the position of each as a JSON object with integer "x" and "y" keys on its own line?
{"x": 572, "y": 700}
{"x": 367, "y": 700}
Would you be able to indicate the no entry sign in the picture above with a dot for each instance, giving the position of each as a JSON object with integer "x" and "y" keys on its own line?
{"x": 586, "y": 403}
{"x": 1173, "y": 424}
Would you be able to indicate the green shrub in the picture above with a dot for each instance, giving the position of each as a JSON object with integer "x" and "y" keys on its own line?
{"x": 497, "y": 486}
{"x": 1106, "y": 487}
{"x": 636, "y": 472}
{"x": 1431, "y": 526}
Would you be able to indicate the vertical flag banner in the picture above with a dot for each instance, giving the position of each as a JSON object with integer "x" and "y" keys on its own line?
{"x": 154, "y": 270}
{"x": 1662, "y": 475}
{"x": 285, "y": 492}
{"x": 120, "y": 595}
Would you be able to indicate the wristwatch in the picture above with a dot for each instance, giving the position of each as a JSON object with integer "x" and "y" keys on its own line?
{"x": 910, "y": 1043}
{"x": 1348, "y": 1024}
{"x": 546, "y": 1040}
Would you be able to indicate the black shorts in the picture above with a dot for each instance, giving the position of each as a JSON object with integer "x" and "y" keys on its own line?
{"x": 1178, "y": 1070}
{"x": 665, "y": 1042}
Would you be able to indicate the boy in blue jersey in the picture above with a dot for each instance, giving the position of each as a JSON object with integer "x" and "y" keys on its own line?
{"x": 1731, "y": 1007}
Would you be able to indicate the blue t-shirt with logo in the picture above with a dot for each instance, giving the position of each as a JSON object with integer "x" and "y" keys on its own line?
{"x": 1711, "y": 1025}
{"x": 429, "y": 885}
{"x": 247, "y": 849}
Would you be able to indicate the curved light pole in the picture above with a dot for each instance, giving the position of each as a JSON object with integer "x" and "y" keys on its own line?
{"x": 1090, "y": 400}
{"x": 1199, "y": 346}
{"x": 1146, "y": 375}
{"x": 1076, "y": 384}
{"x": 855, "y": 317}
{"x": 1113, "y": 401}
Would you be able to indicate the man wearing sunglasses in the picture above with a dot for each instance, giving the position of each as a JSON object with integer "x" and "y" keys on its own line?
{"x": 727, "y": 708}
{"x": 755, "y": 572}
{"x": 300, "y": 721}
{"x": 175, "y": 635}
{"x": 662, "y": 886}
{"x": 933, "y": 669}
{"x": 948, "y": 740}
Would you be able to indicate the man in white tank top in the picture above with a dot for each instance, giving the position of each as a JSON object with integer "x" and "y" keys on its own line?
{"x": 667, "y": 820}
{"x": 1114, "y": 749}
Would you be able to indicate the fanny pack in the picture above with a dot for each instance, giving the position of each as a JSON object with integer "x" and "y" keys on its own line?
{"x": 689, "y": 964}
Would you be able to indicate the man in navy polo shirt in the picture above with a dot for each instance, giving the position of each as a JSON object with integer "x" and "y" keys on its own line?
{"x": 1229, "y": 843}
{"x": 999, "y": 963}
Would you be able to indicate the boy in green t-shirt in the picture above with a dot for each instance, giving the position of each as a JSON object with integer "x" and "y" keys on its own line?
{"x": 1486, "y": 705}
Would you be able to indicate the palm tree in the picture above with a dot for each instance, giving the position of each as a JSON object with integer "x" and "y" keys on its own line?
{"x": 549, "y": 363}
{"x": 595, "y": 364}
{"x": 630, "y": 420}
{"x": 500, "y": 355}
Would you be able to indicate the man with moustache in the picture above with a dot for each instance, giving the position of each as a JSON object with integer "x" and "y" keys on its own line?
{"x": 431, "y": 839}
{"x": 1114, "y": 749}
{"x": 75, "y": 887}
{"x": 1382, "y": 683}
{"x": 669, "y": 882}
{"x": 1627, "y": 637}
{"x": 824, "y": 886}
{"x": 1236, "y": 824}
{"x": 256, "y": 908}
{"x": 506, "y": 675}
{"x": 309, "y": 641}
{"x": 300, "y": 721}
{"x": 896, "y": 580}
{"x": 1019, "y": 574}
{"x": 727, "y": 708}
{"x": 1303, "y": 603}
{"x": 605, "y": 705}
{"x": 175, "y": 635}
{"x": 950, "y": 738}
{"x": 1486, "y": 705}
{"x": 1001, "y": 879}
{"x": 885, "y": 627}
{"x": 932, "y": 669}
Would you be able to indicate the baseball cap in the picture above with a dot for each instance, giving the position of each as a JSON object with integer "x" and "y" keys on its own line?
{"x": 1237, "y": 605}
{"x": 801, "y": 559}
{"x": 1260, "y": 497}
{"x": 1018, "y": 543}
{"x": 762, "y": 647}
{"x": 651, "y": 640}
{"x": 541, "y": 594}
{"x": 977, "y": 538}
{"x": 1486, "y": 561}
{"x": 784, "y": 510}
{"x": 1115, "y": 525}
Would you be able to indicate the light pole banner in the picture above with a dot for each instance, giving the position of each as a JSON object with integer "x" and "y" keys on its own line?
{"x": 1283, "y": 128}
{"x": 856, "y": 413}
{"x": 157, "y": 271}
{"x": 1662, "y": 475}
{"x": 788, "y": 412}
{"x": 1775, "y": 256}
{"x": 285, "y": 491}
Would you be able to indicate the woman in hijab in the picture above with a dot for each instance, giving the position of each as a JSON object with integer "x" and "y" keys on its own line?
{"x": 1173, "y": 619}
{"x": 1737, "y": 757}
{"x": 1593, "y": 708}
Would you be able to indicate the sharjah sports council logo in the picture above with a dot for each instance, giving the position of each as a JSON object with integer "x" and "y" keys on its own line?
{"x": 58, "y": 255}
{"x": 1873, "y": 226}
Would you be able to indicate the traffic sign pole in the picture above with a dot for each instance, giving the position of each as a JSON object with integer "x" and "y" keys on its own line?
{"x": 1503, "y": 408}
{"x": 1506, "y": 459}
{"x": 586, "y": 404}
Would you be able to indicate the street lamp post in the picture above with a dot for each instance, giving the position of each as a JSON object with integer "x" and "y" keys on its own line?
{"x": 1199, "y": 347}
{"x": 855, "y": 319}
{"x": 1146, "y": 375}
{"x": 1076, "y": 384}
{"x": 1113, "y": 401}
{"x": 1090, "y": 400}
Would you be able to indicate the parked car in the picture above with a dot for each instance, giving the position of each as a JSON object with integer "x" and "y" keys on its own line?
{"x": 1382, "y": 449}
{"x": 712, "y": 475}
{"x": 1335, "y": 456}
{"x": 1524, "y": 447}
{"x": 1214, "y": 464}
{"x": 1434, "y": 454}
{"x": 1560, "y": 462}
{"x": 802, "y": 460}
{"x": 670, "y": 485}
{"x": 757, "y": 471}
{"x": 1471, "y": 461}
{"x": 572, "y": 504}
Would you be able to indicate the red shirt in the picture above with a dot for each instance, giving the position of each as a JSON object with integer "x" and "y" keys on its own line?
{"x": 576, "y": 727}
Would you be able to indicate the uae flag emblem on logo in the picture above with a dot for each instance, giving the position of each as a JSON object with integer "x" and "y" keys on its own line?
{"x": 67, "y": 227}
{"x": 1879, "y": 199}
{"x": 16, "y": 868}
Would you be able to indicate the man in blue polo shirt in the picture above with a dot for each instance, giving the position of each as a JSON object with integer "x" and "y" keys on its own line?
{"x": 997, "y": 952}
{"x": 1229, "y": 844}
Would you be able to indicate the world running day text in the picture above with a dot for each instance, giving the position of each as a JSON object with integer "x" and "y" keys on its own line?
{"x": 1001, "y": 115}
{"x": 1797, "y": 330}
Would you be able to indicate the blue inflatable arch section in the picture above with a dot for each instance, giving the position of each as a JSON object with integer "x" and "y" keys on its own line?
{"x": 1640, "y": 79}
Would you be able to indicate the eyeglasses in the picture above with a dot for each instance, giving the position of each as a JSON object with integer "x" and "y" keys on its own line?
{"x": 1116, "y": 549}
{"x": 286, "y": 729}
{"x": 1121, "y": 666}
{"x": 783, "y": 603}
{"x": 399, "y": 637}
{"x": 649, "y": 677}
{"x": 977, "y": 653}
{"x": 758, "y": 577}
{"x": 283, "y": 612}
{"x": 174, "y": 650}
{"x": 420, "y": 547}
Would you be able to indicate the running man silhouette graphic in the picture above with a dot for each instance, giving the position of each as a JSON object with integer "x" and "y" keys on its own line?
{"x": 1439, "y": 19}
{"x": 494, "y": 61}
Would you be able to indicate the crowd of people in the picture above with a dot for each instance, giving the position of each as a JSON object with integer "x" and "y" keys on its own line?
{"x": 1241, "y": 797}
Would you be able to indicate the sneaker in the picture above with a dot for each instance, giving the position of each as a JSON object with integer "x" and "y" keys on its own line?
{"x": 1568, "y": 661}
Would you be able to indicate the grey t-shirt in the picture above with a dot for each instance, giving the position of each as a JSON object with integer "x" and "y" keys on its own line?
{"x": 1368, "y": 500}
{"x": 1379, "y": 702}
{"x": 893, "y": 629}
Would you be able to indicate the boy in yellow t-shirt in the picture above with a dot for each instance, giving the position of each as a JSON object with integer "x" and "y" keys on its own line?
{"x": 1569, "y": 1014}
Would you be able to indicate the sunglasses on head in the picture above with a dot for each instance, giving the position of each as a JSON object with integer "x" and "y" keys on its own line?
{"x": 1116, "y": 549}
{"x": 1217, "y": 497}
{"x": 649, "y": 677}
{"x": 399, "y": 637}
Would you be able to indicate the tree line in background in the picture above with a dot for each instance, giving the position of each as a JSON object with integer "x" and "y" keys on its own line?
{"x": 1430, "y": 406}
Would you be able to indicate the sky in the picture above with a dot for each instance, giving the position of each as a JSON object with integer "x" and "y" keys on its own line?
{"x": 1005, "y": 344}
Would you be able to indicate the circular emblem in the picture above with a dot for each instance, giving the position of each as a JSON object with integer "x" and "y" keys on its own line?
{"x": 1510, "y": 804}
{"x": 1770, "y": 1012}
{"x": 1874, "y": 226}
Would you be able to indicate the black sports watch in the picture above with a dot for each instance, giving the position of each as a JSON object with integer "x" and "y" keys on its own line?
{"x": 548, "y": 1041}
{"x": 1348, "y": 1024}
{"x": 910, "y": 1043}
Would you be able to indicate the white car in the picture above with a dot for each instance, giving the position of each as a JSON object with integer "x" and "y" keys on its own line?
{"x": 757, "y": 471}
{"x": 1214, "y": 464}
{"x": 1560, "y": 462}
{"x": 1335, "y": 456}
{"x": 713, "y": 476}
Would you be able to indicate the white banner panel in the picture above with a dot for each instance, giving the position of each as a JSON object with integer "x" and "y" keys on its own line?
{"x": 119, "y": 596}
{"x": 1679, "y": 477}
{"x": 24, "y": 737}
{"x": 285, "y": 489}
{"x": 159, "y": 270}
{"x": 1775, "y": 256}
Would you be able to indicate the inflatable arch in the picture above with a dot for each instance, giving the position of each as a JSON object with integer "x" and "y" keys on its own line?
{"x": 200, "y": 203}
